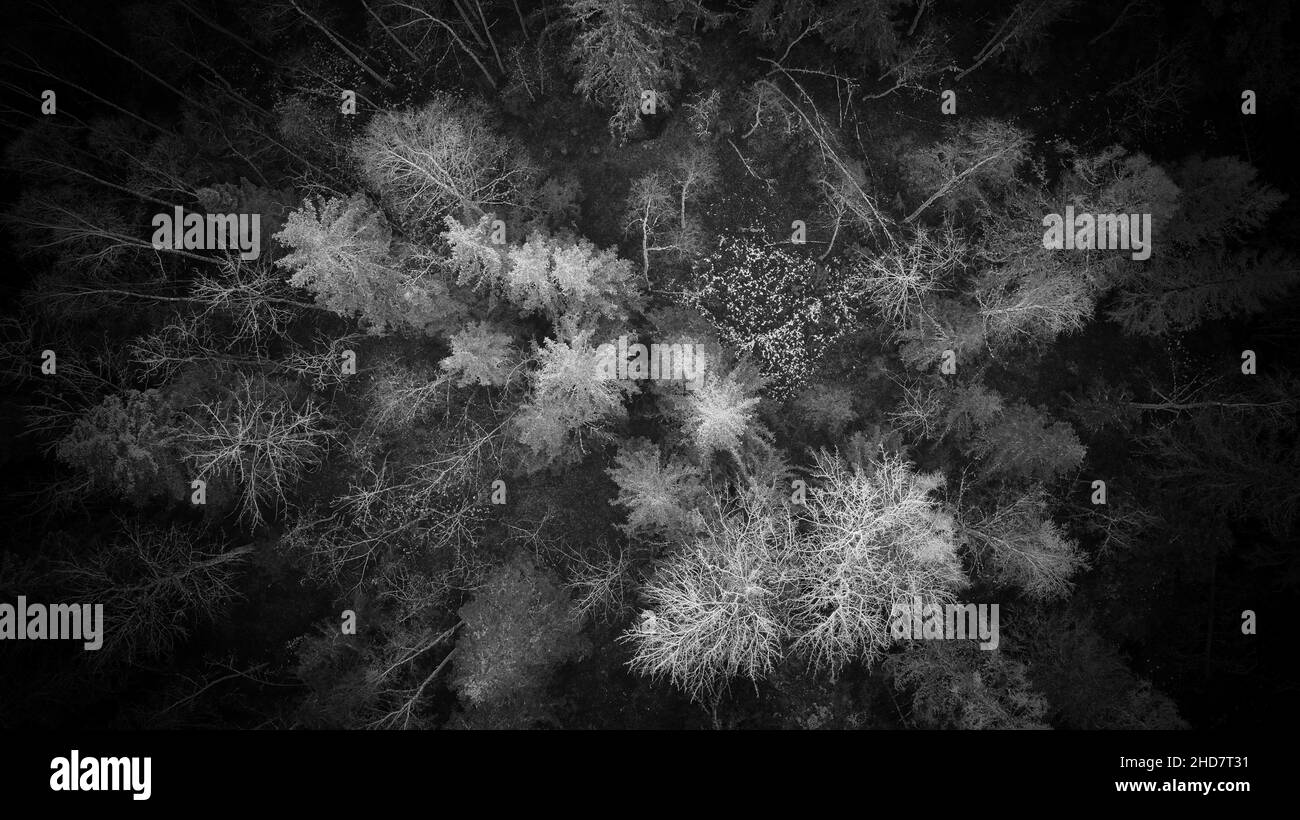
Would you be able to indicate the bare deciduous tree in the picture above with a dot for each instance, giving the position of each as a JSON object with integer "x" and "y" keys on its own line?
{"x": 154, "y": 585}
{"x": 442, "y": 157}
{"x": 257, "y": 440}
{"x": 897, "y": 280}
{"x": 877, "y": 539}
{"x": 714, "y": 605}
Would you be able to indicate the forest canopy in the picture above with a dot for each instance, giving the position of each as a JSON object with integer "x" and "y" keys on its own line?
{"x": 386, "y": 475}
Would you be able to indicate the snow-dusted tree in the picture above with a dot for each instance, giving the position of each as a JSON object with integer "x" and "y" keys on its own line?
{"x": 1030, "y": 293}
{"x": 759, "y": 579}
{"x": 1107, "y": 181}
{"x": 1018, "y": 545}
{"x": 256, "y": 440}
{"x": 476, "y": 260}
{"x": 660, "y": 494}
{"x": 593, "y": 282}
{"x": 877, "y": 538}
{"x": 440, "y": 158}
{"x": 714, "y": 610}
{"x": 556, "y": 274}
{"x": 342, "y": 251}
{"x": 569, "y": 400}
{"x": 480, "y": 355}
{"x": 334, "y": 237}
{"x": 717, "y": 415}
{"x": 624, "y": 48}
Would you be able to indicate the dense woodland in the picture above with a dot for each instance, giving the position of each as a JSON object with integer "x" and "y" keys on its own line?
{"x": 394, "y": 411}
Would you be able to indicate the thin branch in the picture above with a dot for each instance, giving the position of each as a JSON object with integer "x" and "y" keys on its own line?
{"x": 389, "y": 32}
{"x": 337, "y": 42}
